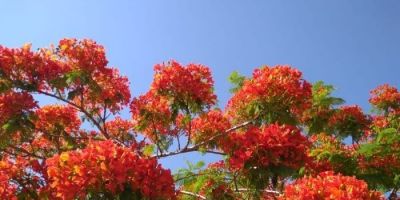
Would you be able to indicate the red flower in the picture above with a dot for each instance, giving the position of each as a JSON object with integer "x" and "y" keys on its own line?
{"x": 385, "y": 97}
{"x": 350, "y": 121}
{"x": 57, "y": 118}
{"x": 111, "y": 91}
{"x": 151, "y": 115}
{"x": 7, "y": 189}
{"x": 272, "y": 94}
{"x": 327, "y": 185}
{"x": 14, "y": 104}
{"x": 83, "y": 55}
{"x": 270, "y": 146}
{"x": 191, "y": 85}
{"x": 209, "y": 125}
{"x": 105, "y": 167}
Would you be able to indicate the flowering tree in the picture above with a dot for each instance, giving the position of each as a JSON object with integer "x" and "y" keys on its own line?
{"x": 280, "y": 136}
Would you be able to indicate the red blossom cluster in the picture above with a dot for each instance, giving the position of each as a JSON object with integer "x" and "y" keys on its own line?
{"x": 76, "y": 68}
{"x": 21, "y": 175}
{"x": 388, "y": 164}
{"x": 329, "y": 153}
{"x": 327, "y": 185}
{"x": 151, "y": 115}
{"x": 210, "y": 126}
{"x": 350, "y": 121}
{"x": 217, "y": 190}
{"x": 7, "y": 189}
{"x": 23, "y": 67}
{"x": 119, "y": 127}
{"x": 270, "y": 146}
{"x": 14, "y": 104}
{"x": 191, "y": 85}
{"x": 276, "y": 93}
{"x": 103, "y": 167}
{"x": 110, "y": 90}
{"x": 57, "y": 118}
{"x": 385, "y": 97}
{"x": 83, "y": 55}
{"x": 176, "y": 93}
{"x": 380, "y": 122}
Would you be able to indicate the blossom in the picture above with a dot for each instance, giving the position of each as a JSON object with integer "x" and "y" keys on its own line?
{"x": 7, "y": 189}
{"x": 349, "y": 121}
{"x": 269, "y": 146}
{"x": 14, "y": 104}
{"x": 329, "y": 153}
{"x": 190, "y": 86}
{"x": 273, "y": 94}
{"x": 151, "y": 115}
{"x": 105, "y": 167}
{"x": 111, "y": 90}
{"x": 385, "y": 97}
{"x": 327, "y": 185}
{"x": 210, "y": 125}
{"x": 82, "y": 54}
{"x": 57, "y": 118}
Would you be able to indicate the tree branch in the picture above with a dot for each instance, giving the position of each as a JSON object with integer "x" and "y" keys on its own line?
{"x": 197, "y": 146}
{"x": 192, "y": 194}
{"x": 266, "y": 191}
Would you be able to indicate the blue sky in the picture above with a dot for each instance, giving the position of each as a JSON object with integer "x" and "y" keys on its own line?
{"x": 354, "y": 45}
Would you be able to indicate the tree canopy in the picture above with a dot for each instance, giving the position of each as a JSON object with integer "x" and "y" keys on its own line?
{"x": 279, "y": 137}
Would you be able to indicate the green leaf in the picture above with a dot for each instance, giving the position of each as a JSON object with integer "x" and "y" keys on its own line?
{"x": 368, "y": 149}
{"x": 10, "y": 126}
{"x": 388, "y": 135}
{"x": 5, "y": 85}
{"x": 237, "y": 81}
{"x": 74, "y": 75}
{"x": 149, "y": 150}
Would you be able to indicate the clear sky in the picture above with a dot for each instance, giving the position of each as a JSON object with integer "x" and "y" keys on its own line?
{"x": 354, "y": 45}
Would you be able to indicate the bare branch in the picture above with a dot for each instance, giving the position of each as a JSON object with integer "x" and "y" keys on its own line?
{"x": 192, "y": 194}
{"x": 197, "y": 146}
{"x": 266, "y": 191}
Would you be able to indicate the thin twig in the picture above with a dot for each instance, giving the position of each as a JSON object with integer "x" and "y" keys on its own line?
{"x": 197, "y": 146}
{"x": 266, "y": 191}
{"x": 192, "y": 194}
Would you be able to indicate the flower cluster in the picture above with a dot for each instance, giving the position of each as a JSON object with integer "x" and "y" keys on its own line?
{"x": 109, "y": 89}
{"x": 213, "y": 189}
{"x": 20, "y": 177}
{"x": 119, "y": 127}
{"x": 271, "y": 146}
{"x": 210, "y": 126}
{"x": 29, "y": 69}
{"x": 385, "y": 97}
{"x": 122, "y": 131}
{"x": 14, "y": 104}
{"x": 273, "y": 94}
{"x": 75, "y": 68}
{"x": 387, "y": 164}
{"x": 151, "y": 115}
{"x": 188, "y": 86}
{"x": 84, "y": 54}
{"x": 327, "y": 185}
{"x": 7, "y": 189}
{"x": 349, "y": 121}
{"x": 103, "y": 167}
{"x": 57, "y": 119}
{"x": 329, "y": 153}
